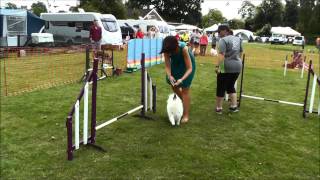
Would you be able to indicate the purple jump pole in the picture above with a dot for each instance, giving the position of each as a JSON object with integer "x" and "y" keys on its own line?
{"x": 69, "y": 133}
{"x": 241, "y": 81}
{"x": 143, "y": 84}
{"x": 307, "y": 91}
{"x": 94, "y": 101}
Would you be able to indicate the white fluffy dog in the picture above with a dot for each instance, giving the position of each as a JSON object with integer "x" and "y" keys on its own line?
{"x": 174, "y": 109}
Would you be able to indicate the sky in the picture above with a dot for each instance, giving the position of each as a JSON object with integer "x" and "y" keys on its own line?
{"x": 229, "y": 8}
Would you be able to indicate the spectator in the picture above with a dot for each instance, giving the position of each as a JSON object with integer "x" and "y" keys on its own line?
{"x": 185, "y": 37}
{"x": 228, "y": 68}
{"x": 203, "y": 44}
{"x": 139, "y": 34}
{"x": 96, "y": 35}
{"x": 152, "y": 33}
{"x": 177, "y": 37}
{"x": 180, "y": 69}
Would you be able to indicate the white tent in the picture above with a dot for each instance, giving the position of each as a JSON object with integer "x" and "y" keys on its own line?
{"x": 212, "y": 28}
{"x": 288, "y": 31}
{"x": 186, "y": 27}
{"x": 244, "y": 34}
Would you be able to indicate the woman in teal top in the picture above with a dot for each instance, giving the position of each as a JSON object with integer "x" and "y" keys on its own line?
{"x": 180, "y": 69}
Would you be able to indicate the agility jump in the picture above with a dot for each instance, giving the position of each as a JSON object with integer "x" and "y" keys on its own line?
{"x": 315, "y": 83}
{"x": 92, "y": 78}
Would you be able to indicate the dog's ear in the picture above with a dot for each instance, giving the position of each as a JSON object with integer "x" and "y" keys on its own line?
{"x": 174, "y": 97}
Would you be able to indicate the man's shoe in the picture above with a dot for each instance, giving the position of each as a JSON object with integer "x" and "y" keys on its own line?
{"x": 233, "y": 109}
{"x": 218, "y": 111}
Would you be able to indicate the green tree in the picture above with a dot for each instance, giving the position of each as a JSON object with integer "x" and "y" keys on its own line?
{"x": 247, "y": 10}
{"x": 314, "y": 23}
{"x": 115, "y": 7}
{"x": 213, "y": 17}
{"x": 305, "y": 14}
{"x": 38, "y": 8}
{"x": 269, "y": 11}
{"x": 11, "y": 6}
{"x": 172, "y": 10}
{"x": 74, "y": 9}
{"x": 236, "y": 24}
{"x": 291, "y": 12}
{"x": 265, "y": 30}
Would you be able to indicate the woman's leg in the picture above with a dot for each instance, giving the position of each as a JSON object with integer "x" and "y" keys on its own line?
{"x": 178, "y": 91}
{"x": 186, "y": 104}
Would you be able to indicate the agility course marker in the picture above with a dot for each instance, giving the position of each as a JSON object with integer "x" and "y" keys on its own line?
{"x": 92, "y": 78}
{"x": 316, "y": 81}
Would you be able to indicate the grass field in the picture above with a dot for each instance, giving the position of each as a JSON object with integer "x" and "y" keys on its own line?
{"x": 263, "y": 141}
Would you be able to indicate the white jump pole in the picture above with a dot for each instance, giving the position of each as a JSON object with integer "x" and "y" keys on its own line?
{"x": 145, "y": 108}
{"x": 285, "y": 66}
{"x": 302, "y": 69}
{"x": 119, "y": 117}
{"x": 313, "y": 91}
{"x": 319, "y": 106}
{"x": 76, "y": 131}
{"x": 85, "y": 113}
{"x": 272, "y": 100}
{"x": 150, "y": 93}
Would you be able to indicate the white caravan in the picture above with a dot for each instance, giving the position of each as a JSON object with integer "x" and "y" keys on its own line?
{"x": 74, "y": 28}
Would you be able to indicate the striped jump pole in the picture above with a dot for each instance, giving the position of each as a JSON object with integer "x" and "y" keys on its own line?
{"x": 92, "y": 78}
{"x": 146, "y": 84}
{"x": 285, "y": 66}
{"x": 303, "y": 64}
{"x": 75, "y": 111}
{"x": 272, "y": 100}
{"x": 315, "y": 82}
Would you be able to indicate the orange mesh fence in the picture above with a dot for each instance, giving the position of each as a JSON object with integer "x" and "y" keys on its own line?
{"x": 27, "y": 69}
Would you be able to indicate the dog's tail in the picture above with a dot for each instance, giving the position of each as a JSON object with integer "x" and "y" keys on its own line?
{"x": 175, "y": 96}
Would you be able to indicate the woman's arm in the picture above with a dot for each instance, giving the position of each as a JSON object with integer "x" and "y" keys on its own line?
{"x": 188, "y": 64}
{"x": 168, "y": 64}
{"x": 168, "y": 68}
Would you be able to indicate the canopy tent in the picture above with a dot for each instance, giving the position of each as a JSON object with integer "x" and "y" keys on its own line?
{"x": 244, "y": 34}
{"x": 288, "y": 31}
{"x": 212, "y": 28}
{"x": 14, "y": 22}
{"x": 186, "y": 27}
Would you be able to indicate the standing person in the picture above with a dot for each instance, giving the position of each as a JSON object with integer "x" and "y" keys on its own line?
{"x": 96, "y": 35}
{"x": 228, "y": 67}
{"x": 180, "y": 69}
{"x": 139, "y": 34}
{"x": 185, "y": 37}
{"x": 151, "y": 33}
{"x": 203, "y": 44}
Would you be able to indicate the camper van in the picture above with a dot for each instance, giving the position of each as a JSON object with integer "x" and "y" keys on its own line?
{"x": 74, "y": 28}
{"x": 145, "y": 25}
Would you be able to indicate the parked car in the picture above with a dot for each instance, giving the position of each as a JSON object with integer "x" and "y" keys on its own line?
{"x": 278, "y": 39}
{"x": 299, "y": 41}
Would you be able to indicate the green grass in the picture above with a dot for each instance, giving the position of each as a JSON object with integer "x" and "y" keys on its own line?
{"x": 263, "y": 141}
